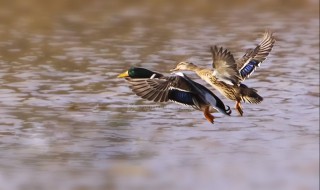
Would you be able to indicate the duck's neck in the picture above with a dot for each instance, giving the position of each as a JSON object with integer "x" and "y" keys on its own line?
{"x": 203, "y": 73}
{"x": 195, "y": 68}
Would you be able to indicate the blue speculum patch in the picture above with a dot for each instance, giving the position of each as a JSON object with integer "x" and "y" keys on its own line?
{"x": 249, "y": 68}
{"x": 180, "y": 96}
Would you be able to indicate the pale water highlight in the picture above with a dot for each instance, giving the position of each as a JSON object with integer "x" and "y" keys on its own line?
{"x": 67, "y": 122}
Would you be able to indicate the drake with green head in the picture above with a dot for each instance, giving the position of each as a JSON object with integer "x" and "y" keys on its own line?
{"x": 228, "y": 73}
{"x": 178, "y": 88}
{"x": 139, "y": 72}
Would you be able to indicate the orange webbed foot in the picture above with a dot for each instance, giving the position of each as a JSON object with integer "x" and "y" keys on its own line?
{"x": 239, "y": 108}
{"x": 208, "y": 116}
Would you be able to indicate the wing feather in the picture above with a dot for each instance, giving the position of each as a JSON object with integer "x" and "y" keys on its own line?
{"x": 224, "y": 65}
{"x": 252, "y": 59}
{"x": 173, "y": 88}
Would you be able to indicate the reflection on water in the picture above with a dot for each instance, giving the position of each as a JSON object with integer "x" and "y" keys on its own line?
{"x": 65, "y": 117}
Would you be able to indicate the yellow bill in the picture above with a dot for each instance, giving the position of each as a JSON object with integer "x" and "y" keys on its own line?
{"x": 124, "y": 74}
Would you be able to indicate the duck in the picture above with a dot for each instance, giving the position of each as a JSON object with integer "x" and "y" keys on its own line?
{"x": 228, "y": 74}
{"x": 177, "y": 87}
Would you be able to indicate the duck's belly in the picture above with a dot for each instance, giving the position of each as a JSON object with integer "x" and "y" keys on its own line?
{"x": 226, "y": 90}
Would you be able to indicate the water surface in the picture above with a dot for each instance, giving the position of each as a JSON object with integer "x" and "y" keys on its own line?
{"x": 67, "y": 122}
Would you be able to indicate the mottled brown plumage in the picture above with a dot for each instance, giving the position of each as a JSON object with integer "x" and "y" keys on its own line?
{"x": 227, "y": 73}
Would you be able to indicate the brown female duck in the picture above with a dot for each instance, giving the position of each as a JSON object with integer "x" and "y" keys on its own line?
{"x": 228, "y": 73}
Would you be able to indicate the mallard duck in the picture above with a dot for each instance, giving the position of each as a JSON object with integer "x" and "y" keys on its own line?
{"x": 178, "y": 88}
{"x": 228, "y": 73}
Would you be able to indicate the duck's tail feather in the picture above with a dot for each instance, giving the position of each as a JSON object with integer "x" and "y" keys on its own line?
{"x": 228, "y": 110}
{"x": 250, "y": 95}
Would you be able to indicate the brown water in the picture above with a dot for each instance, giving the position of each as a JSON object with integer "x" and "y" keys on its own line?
{"x": 67, "y": 122}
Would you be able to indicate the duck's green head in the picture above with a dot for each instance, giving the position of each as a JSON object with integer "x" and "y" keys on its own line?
{"x": 137, "y": 72}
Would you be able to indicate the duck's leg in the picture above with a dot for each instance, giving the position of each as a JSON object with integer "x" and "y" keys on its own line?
{"x": 239, "y": 108}
{"x": 207, "y": 115}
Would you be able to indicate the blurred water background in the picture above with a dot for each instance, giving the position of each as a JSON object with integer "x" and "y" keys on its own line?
{"x": 67, "y": 122}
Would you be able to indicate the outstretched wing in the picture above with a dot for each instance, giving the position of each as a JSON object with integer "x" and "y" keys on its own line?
{"x": 253, "y": 57}
{"x": 173, "y": 88}
{"x": 225, "y": 68}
